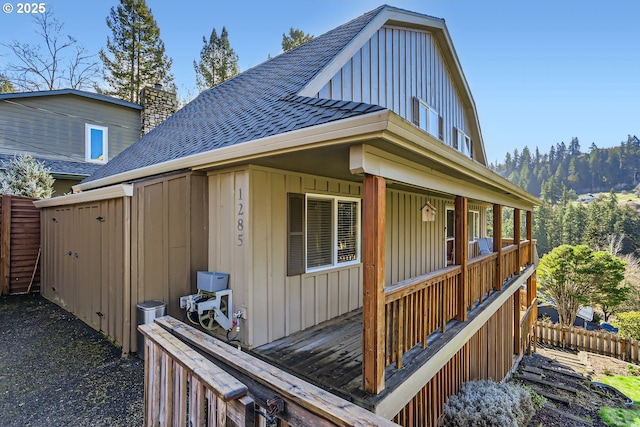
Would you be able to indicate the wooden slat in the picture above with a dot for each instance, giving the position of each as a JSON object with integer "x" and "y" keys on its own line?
{"x": 296, "y": 393}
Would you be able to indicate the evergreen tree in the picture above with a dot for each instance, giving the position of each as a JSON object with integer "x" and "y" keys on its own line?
{"x": 25, "y": 176}
{"x": 5, "y": 85}
{"x": 218, "y": 61}
{"x": 295, "y": 38}
{"x": 135, "y": 55}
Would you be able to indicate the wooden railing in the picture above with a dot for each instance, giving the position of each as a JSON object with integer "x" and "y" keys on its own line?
{"x": 600, "y": 342}
{"x": 527, "y": 327}
{"x": 182, "y": 387}
{"x": 417, "y": 307}
{"x": 228, "y": 373}
{"x": 481, "y": 273}
{"x": 509, "y": 265}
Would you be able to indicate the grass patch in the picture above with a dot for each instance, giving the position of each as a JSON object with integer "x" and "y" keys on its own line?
{"x": 617, "y": 417}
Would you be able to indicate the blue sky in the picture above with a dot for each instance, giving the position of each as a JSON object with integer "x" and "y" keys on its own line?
{"x": 541, "y": 71}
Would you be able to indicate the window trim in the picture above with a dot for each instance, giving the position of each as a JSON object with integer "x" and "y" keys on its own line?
{"x": 87, "y": 143}
{"x": 476, "y": 220}
{"x": 334, "y": 211}
{"x": 461, "y": 139}
{"x": 418, "y": 106}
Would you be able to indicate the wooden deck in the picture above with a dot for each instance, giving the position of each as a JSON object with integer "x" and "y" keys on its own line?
{"x": 329, "y": 356}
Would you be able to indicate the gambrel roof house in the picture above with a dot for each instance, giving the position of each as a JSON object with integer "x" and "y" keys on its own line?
{"x": 74, "y": 132}
{"x": 343, "y": 187}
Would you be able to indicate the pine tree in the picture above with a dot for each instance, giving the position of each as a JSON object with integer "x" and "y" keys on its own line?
{"x": 5, "y": 85}
{"x": 25, "y": 176}
{"x": 137, "y": 55}
{"x": 218, "y": 61}
{"x": 295, "y": 38}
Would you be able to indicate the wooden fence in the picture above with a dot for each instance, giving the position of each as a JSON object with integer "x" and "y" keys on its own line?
{"x": 192, "y": 378}
{"x": 600, "y": 342}
{"x": 19, "y": 245}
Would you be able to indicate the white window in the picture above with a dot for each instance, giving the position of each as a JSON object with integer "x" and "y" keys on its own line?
{"x": 332, "y": 231}
{"x": 96, "y": 143}
{"x": 464, "y": 144}
{"x": 427, "y": 118}
{"x": 450, "y": 236}
{"x": 473, "y": 225}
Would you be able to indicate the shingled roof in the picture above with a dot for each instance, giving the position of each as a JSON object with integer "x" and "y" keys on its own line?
{"x": 257, "y": 103}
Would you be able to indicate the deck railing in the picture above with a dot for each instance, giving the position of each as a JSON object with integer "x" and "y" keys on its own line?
{"x": 527, "y": 327}
{"x": 183, "y": 388}
{"x": 417, "y": 307}
{"x": 481, "y": 273}
{"x": 231, "y": 387}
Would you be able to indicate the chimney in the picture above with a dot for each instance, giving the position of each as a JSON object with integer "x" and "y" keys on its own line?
{"x": 157, "y": 106}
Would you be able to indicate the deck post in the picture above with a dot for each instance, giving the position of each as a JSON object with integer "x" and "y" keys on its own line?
{"x": 373, "y": 258}
{"x": 462, "y": 255}
{"x": 516, "y": 238}
{"x": 531, "y": 291}
{"x": 497, "y": 244}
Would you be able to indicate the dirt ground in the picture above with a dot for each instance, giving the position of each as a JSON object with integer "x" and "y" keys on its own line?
{"x": 57, "y": 371}
{"x": 565, "y": 377}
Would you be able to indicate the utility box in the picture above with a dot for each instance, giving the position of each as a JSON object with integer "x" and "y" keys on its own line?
{"x": 147, "y": 312}
{"x": 212, "y": 281}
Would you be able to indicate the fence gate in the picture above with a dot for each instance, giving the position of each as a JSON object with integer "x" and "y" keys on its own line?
{"x": 19, "y": 245}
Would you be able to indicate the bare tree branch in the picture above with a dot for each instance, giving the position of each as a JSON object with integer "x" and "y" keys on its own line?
{"x": 59, "y": 61}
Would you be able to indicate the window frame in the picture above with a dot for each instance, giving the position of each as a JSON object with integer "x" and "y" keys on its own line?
{"x": 464, "y": 144}
{"x": 87, "y": 143}
{"x": 430, "y": 112}
{"x": 335, "y": 263}
{"x": 473, "y": 224}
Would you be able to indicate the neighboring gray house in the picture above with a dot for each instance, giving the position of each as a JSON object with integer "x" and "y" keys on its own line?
{"x": 75, "y": 132}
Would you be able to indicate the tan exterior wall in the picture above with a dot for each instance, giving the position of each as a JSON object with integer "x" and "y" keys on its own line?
{"x": 84, "y": 263}
{"x": 248, "y": 235}
{"x": 169, "y": 239}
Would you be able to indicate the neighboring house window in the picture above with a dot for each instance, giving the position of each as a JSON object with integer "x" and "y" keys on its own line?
{"x": 463, "y": 143}
{"x": 96, "y": 143}
{"x": 323, "y": 232}
{"x": 473, "y": 218}
{"x": 427, "y": 118}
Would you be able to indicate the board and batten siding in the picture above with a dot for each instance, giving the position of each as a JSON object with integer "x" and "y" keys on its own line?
{"x": 392, "y": 67}
{"x": 55, "y": 125}
{"x": 168, "y": 239}
{"x": 85, "y": 263}
{"x": 248, "y": 240}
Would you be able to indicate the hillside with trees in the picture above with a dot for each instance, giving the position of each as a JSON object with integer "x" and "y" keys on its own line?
{"x": 597, "y": 170}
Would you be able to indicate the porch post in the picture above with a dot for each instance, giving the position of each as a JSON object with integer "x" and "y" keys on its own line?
{"x": 497, "y": 244}
{"x": 461, "y": 255}
{"x": 516, "y": 238}
{"x": 531, "y": 291}
{"x": 373, "y": 258}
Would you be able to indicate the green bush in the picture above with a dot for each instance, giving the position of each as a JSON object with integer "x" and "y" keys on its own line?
{"x": 490, "y": 404}
{"x": 628, "y": 324}
{"x": 25, "y": 176}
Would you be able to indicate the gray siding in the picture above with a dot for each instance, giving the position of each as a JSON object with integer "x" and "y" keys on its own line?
{"x": 391, "y": 68}
{"x": 54, "y": 126}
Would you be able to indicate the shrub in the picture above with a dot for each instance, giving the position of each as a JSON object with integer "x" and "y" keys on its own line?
{"x": 628, "y": 324}
{"x": 490, "y": 404}
{"x": 25, "y": 176}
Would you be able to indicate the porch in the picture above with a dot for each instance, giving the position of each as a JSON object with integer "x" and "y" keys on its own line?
{"x": 420, "y": 327}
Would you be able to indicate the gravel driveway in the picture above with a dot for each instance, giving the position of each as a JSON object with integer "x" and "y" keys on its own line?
{"x": 57, "y": 371}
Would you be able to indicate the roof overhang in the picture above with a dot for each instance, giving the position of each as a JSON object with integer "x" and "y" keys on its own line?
{"x": 106, "y": 193}
{"x": 379, "y": 143}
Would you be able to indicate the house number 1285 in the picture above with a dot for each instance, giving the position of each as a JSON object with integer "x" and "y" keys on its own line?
{"x": 240, "y": 215}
